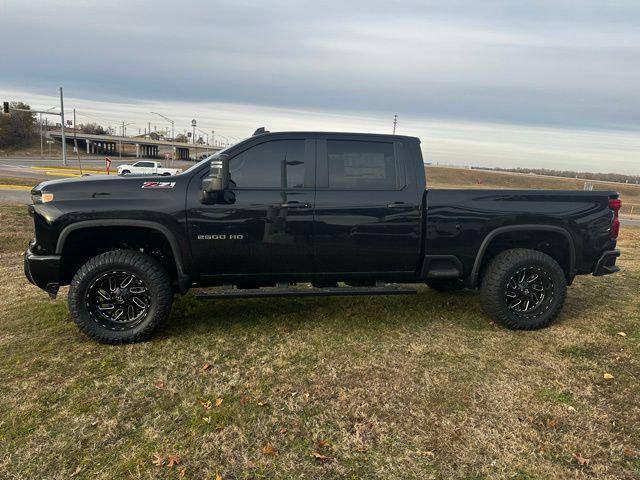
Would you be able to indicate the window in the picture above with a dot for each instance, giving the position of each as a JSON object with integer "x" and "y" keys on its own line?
{"x": 143, "y": 164}
{"x": 275, "y": 164}
{"x": 361, "y": 165}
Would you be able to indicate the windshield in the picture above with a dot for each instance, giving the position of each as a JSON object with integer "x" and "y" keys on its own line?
{"x": 202, "y": 162}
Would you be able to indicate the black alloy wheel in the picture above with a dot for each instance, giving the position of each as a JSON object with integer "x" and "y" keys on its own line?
{"x": 529, "y": 290}
{"x": 118, "y": 300}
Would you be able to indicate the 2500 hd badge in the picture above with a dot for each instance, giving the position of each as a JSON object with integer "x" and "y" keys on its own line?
{"x": 220, "y": 237}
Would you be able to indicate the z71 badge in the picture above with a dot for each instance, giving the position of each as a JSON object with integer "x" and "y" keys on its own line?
{"x": 158, "y": 184}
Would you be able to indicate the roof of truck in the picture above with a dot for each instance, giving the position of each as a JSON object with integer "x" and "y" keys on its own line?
{"x": 350, "y": 134}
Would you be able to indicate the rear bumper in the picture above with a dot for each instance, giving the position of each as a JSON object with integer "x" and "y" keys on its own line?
{"x": 606, "y": 264}
{"x": 43, "y": 271}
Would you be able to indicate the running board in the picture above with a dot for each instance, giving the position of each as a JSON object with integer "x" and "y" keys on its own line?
{"x": 266, "y": 292}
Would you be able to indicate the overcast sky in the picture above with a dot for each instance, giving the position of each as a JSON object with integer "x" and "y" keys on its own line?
{"x": 506, "y": 83}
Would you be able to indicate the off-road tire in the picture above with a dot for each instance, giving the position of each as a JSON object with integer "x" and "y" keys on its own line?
{"x": 501, "y": 270}
{"x": 445, "y": 285}
{"x": 147, "y": 269}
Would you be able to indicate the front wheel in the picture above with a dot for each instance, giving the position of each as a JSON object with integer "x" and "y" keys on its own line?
{"x": 125, "y": 172}
{"x": 122, "y": 296}
{"x": 523, "y": 289}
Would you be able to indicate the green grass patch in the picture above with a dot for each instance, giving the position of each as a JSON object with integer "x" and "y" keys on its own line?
{"x": 549, "y": 395}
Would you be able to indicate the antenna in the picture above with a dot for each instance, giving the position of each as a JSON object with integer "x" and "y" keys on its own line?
{"x": 395, "y": 123}
{"x": 260, "y": 131}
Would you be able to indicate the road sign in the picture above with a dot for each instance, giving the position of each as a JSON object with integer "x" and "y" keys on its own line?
{"x": 107, "y": 162}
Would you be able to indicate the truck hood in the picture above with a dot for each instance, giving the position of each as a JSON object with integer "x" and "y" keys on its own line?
{"x": 74, "y": 182}
{"x": 106, "y": 186}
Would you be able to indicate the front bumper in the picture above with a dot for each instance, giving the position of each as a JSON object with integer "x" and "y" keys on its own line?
{"x": 43, "y": 271}
{"x": 606, "y": 264}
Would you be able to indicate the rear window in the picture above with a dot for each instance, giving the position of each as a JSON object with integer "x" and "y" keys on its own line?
{"x": 361, "y": 165}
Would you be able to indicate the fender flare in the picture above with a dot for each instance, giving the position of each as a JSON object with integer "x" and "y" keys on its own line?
{"x": 183, "y": 277}
{"x": 475, "y": 272}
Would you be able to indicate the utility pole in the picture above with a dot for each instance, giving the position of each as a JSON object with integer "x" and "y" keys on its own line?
{"x": 75, "y": 140}
{"x": 41, "y": 139}
{"x": 173, "y": 135}
{"x": 64, "y": 138}
{"x": 395, "y": 123}
{"x": 120, "y": 151}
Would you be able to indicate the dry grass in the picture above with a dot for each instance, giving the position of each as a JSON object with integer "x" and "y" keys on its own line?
{"x": 29, "y": 182}
{"x": 415, "y": 387}
{"x": 446, "y": 177}
{"x": 17, "y": 228}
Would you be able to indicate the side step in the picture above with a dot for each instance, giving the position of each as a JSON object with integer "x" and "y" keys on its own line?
{"x": 266, "y": 292}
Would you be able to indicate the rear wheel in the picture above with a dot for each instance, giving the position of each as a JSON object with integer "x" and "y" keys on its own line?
{"x": 121, "y": 296}
{"x": 523, "y": 289}
{"x": 445, "y": 285}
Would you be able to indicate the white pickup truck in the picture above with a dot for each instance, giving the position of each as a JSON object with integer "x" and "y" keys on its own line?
{"x": 147, "y": 168}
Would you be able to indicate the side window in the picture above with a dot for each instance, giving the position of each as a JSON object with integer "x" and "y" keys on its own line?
{"x": 275, "y": 164}
{"x": 143, "y": 164}
{"x": 361, "y": 164}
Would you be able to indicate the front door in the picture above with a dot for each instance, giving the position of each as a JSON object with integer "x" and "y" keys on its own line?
{"x": 265, "y": 227}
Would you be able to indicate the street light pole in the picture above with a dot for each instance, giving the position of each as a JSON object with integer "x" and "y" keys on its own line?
{"x": 64, "y": 138}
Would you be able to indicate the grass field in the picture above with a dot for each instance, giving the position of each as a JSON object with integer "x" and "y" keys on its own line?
{"x": 359, "y": 388}
{"x": 447, "y": 177}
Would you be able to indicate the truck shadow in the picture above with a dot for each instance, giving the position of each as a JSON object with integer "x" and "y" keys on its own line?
{"x": 334, "y": 313}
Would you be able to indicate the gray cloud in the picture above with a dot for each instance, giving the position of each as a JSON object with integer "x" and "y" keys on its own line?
{"x": 563, "y": 63}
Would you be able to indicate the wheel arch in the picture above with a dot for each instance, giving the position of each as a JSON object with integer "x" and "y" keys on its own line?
{"x": 513, "y": 229}
{"x": 183, "y": 277}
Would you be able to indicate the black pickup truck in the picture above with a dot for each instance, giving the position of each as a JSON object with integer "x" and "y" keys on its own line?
{"x": 309, "y": 213}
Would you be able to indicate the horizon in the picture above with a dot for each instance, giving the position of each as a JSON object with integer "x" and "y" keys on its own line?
{"x": 443, "y": 142}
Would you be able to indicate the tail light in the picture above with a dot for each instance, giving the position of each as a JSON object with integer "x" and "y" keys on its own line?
{"x": 615, "y": 204}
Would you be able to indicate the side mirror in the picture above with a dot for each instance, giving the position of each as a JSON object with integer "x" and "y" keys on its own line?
{"x": 217, "y": 181}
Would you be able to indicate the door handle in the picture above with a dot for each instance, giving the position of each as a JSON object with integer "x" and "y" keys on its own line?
{"x": 398, "y": 205}
{"x": 294, "y": 204}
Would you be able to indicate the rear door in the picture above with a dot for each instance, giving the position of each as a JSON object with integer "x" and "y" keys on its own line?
{"x": 266, "y": 225}
{"x": 367, "y": 216}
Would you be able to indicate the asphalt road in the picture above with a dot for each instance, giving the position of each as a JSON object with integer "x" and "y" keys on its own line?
{"x": 15, "y": 196}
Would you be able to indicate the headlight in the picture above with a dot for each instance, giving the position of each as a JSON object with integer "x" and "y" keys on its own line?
{"x": 42, "y": 197}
